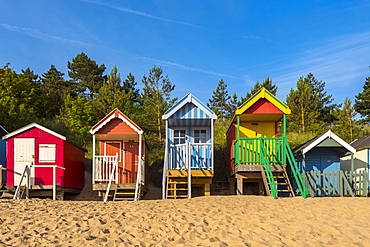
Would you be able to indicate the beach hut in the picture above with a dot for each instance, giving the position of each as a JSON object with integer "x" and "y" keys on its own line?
{"x": 188, "y": 160}
{"x": 319, "y": 159}
{"x": 44, "y": 162}
{"x": 361, "y": 162}
{"x": 257, "y": 155}
{"x": 120, "y": 166}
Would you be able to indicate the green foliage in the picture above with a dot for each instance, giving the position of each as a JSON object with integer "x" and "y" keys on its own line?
{"x": 87, "y": 74}
{"x": 267, "y": 83}
{"x": 310, "y": 106}
{"x": 219, "y": 101}
{"x": 156, "y": 100}
{"x": 220, "y": 128}
{"x": 362, "y": 102}
{"x": 17, "y": 99}
{"x": 295, "y": 139}
{"x": 346, "y": 126}
{"x": 78, "y": 114}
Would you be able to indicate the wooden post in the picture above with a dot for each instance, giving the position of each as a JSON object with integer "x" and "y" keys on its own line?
{"x": 284, "y": 123}
{"x": 54, "y": 183}
{"x": 212, "y": 147}
{"x": 93, "y": 161}
{"x": 207, "y": 189}
{"x": 189, "y": 167}
{"x": 239, "y": 184}
{"x": 164, "y": 175}
{"x": 352, "y": 170}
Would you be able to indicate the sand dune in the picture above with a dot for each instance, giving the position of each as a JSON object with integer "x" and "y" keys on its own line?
{"x": 202, "y": 221}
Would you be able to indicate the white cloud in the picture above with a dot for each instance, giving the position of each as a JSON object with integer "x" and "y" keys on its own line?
{"x": 183, "y": 67}
{"x": 135, "y": 12}
{"x": 39, "y": 35}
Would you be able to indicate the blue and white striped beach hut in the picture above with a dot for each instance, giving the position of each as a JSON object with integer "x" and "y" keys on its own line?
{"x": 189, "y": 148}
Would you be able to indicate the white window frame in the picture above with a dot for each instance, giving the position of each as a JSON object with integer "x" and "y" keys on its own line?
{"x": 47, "y": 147}
{"x": 207, "y": 134}
{"x": 120, "y": 149}
{"x": 173, "y": 135}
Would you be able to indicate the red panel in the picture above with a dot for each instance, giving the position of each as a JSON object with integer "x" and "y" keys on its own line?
{"x": 131, "y": 161}
{"x": 230, "y": 147}
{"x": 74, "y": 162}
{"x": 263, "y": 106}
{"x": 116, "y": 126}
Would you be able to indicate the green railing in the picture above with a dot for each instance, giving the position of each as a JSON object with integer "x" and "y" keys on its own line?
{"x": 269, "y": 176}
{"x": 264, "y": 151}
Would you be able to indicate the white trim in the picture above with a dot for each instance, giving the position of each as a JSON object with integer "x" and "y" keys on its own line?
{"x": 188, "y": 99}
{"x": 208, "y": 134}
{"x": 120, "y": 149}
{"x": 325, "y": 136}
{"x": 4, "y": 129}
{"x": 121, "y": 116}
{"x": 33, "y": 125}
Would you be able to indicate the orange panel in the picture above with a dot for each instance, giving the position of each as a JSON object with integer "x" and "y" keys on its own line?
{"x": 131, "y": 161}
{"x": 116, "y": 126}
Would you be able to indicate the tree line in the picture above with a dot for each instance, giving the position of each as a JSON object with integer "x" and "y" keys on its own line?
{"x": 72, "y": 106}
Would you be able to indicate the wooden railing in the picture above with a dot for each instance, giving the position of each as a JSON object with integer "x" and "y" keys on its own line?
{"x": 342, "y": 183}
{"x": 103, "y": 166}
{"x": 140, "y": 178}
{"x": 199, "y": 155}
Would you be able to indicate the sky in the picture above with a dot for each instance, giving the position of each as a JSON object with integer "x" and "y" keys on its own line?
{"x": 196, "y": 43}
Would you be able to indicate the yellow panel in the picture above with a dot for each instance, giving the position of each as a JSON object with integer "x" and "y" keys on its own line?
{"x": 257, "y": 129}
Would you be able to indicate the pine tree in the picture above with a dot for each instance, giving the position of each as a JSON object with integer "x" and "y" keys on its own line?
{"x": 309, "y": 104}
{"x": 219, "y": 101}
{"x": 232, "y": 106}
{"x": 362, "y": 102}
{"x": 346, "y": 125}
{"x": 87, "y": 74}
{"x": 267, "y": 83}
{"x": 156, "y": 99}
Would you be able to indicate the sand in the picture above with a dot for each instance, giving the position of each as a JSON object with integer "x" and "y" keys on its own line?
{"x": 201, "y": 221}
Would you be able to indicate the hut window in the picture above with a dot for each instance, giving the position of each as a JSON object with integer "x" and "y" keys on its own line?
{"x": 179, "y": 137}
{"x": 47, "y": 152}
{"x": 200, "y": 136}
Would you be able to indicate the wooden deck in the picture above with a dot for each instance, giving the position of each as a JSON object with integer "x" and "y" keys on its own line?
{"x": 194, "y": 173}
{"x": 44, "y": 191}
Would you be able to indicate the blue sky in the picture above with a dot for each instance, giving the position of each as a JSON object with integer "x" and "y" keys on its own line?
{"x": 197, "y": 43}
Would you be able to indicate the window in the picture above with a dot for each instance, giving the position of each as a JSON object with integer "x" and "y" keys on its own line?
{"x": 200, "y": 136}
{"x": 47, "y": 152}
{"x": 179, "y": 137}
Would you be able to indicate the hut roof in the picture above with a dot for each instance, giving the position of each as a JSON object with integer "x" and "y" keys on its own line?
{"x": 362, "y": 143}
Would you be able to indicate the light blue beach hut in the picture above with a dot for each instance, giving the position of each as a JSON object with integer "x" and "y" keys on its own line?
{"x": 188, "y": 158}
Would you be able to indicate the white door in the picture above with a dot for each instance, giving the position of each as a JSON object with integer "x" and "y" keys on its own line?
{"x": 24, "y": 151}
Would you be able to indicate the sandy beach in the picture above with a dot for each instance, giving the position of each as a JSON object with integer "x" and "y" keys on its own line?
{"x": 202, "y": 221}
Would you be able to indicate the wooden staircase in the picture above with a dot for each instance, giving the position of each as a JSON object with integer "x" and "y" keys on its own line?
{"x": 281, "y": 179}
{"x": 177, "y": 188}
{"x": 123, "y": 192}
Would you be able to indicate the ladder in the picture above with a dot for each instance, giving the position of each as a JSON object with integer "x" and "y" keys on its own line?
{"x": 281, "y": 181}
{"x": 124, "y": 194}
{"x": 177, "y": 187}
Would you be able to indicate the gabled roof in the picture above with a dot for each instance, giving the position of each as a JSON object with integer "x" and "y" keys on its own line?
{"x": 115, "y": 114}
{"x": 189, "y": 98}
{"x": 263, "y": 93}
{"x": 362, "y": 143}
{"x": 328, "y": 139}
{"x": 30, "y": 126}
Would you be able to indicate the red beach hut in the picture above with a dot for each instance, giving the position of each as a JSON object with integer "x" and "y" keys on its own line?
{"x": 120, "y": 166}
{"x": 54, "y": 162}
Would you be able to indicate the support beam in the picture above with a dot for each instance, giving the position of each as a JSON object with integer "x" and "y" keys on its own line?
{"x": 93, "y": 161}
{"x": 239, "y": 185}
{"x": 207, "y": 189}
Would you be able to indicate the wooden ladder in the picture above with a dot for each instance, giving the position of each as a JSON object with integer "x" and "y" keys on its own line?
{"x": 177, "y": 187}
{"x": 123, "y": 194}
{"x": 282, "y": 182}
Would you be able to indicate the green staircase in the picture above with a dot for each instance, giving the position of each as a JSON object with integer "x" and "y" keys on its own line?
{"x": 270, "y": 153}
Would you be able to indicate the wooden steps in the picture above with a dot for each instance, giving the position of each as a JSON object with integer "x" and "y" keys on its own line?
{"x": 177, "y": 188}
{"x": 124, "y": 194}
{"x": 281, "y": 179}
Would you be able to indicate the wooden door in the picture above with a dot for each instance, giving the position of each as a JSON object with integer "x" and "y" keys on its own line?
{"x": 112, "y": 148}
{"x": 131, "y": 161}
{"x": 24, "y": 153}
